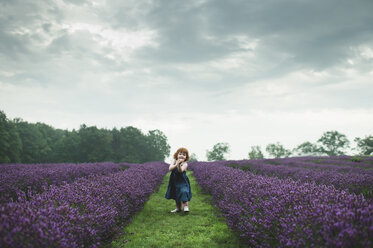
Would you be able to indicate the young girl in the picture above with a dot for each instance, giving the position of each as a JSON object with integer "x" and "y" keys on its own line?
{"x": 178, "y": 184}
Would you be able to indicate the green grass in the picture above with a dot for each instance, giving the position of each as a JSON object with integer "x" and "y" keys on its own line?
{"x": 155, "y": 226}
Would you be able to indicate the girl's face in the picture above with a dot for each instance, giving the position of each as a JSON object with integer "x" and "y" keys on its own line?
{"x": 181, "y": 155}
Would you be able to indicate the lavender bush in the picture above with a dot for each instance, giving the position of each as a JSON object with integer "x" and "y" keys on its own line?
{"x": 353, "y": 179}
{"x": 325, "y": 163}
{"x": 272, "y": 212}
{"x": 342, "y": 163}
{"x": 34, "y": 177}
{"x": 80, "y": 214}
{"x": 342, "y": 160}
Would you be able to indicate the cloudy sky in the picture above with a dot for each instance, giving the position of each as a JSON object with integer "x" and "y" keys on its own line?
{"x": 246, "y": 72}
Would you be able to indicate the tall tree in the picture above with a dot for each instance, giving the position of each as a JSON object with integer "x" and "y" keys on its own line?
{"x": 116, "y": 145}
{"x": 256, "y": 153}
{"x": 67, "y": 148}
{"x": 4, "y": 139}
{"x": 277, "y": 150}
{"x": 333, "y": 143}
{"x": 160, "y": 149}
{"x": 365, "y": 145}
{"x": 193, "y": 157}
{"x": 15, "y": 144}
{"x": 34, "y": 147}
{"x": 95, "y": 144}
{"x": 25, "y": 142}
{"x": 133, "y": 145}
{"x": 218, "y": 152}
{"x": 307, "y": 149}
{"x": 51, "y": 137}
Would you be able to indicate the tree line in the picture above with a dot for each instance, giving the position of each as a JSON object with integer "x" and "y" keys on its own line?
{"x": 331, "y": 143}
{"x": 23, "y": 142}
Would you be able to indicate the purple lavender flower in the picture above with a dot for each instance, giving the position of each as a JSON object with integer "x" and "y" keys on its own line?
{"x": 272, "y": 212}
{"x": 80, "y": 214}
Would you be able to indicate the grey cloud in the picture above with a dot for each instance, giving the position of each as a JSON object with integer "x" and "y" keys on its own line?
{"x": 60, "y": 44}
{"x": 11, "y": 47}
{"x": 200, "y": 67}
{"x": 18, "y": 22}
{"x": 315, "y": 35}
{"x": 47, "y": 27}
{"x": 293, "y": 35}
{"x": 182, "y": 35}
{"x": 77, "y": 2}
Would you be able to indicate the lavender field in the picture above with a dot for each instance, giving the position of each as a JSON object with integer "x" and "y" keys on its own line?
{"x": 293, "y": 202}
{"x": 79, "y": 213}
{"x": 20, "y": 179}
{"x": 354, "y": 174}
{"x": 290, "y": 202}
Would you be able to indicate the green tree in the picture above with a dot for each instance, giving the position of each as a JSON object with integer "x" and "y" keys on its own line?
{"x": 365, "y": 145}
{"x": 277, "y": 150}
{"x": 4, "y": 139}
{"x": 51, "y": 137}
{"x": 307, "y": 149}
{"x": 333, "y": 143}
{"x": 217, "y": 152}
{"x": 133, "y": 146}
{"x": 95, "y": 144}
{"x": 255, "y": 153}
{"x": 158, "y": 146}
{"x": 115, "y": 146}
{"x": 67, "y": 148}
{"x": 34, "y": 146}
{"x": 15, "y": 144}
{"x": 193, "y": 157}
{"x": 25, "y": 142}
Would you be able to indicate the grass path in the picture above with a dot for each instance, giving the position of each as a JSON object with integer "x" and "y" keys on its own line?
{"x": 155, "y": 226}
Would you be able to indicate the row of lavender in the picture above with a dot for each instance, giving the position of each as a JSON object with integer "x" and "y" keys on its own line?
{"x": 26, "y": 178}
{"x": 353, "y": 179}
{"x": 80, "y": 214}
{"x": 354, "y": 161}
{"x": 273, "y": 212}
{"x": 340, "y": 163}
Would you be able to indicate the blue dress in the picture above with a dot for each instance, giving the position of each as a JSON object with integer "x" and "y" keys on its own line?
{"x": 179, "y": 187}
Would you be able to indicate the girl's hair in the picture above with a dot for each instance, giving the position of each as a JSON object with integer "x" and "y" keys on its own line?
{"x": 183, "y": 150}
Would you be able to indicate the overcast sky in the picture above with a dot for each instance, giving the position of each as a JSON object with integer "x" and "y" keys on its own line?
{"x": 246, "y": 72}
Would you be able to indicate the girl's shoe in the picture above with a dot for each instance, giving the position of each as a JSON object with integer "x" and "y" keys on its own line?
{"x": 186, "y": 209}
{"x": 176, "y": 210}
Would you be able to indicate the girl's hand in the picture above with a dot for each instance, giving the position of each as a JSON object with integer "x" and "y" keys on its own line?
{"x": 178, "y": 164}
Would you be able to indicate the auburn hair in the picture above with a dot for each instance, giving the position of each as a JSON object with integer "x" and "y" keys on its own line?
{"x": 183, "y": 150}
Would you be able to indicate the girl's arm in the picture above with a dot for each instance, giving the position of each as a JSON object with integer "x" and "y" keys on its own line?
{"x": 172, "y": 165}
{"x": 182, "y": 167}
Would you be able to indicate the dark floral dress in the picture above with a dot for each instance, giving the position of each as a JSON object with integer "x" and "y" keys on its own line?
{"x": 179, "y": 187}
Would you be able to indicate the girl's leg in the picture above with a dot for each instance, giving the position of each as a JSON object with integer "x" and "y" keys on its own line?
{"x": 186, "y": 208}
{"x": 178, "y": 205}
